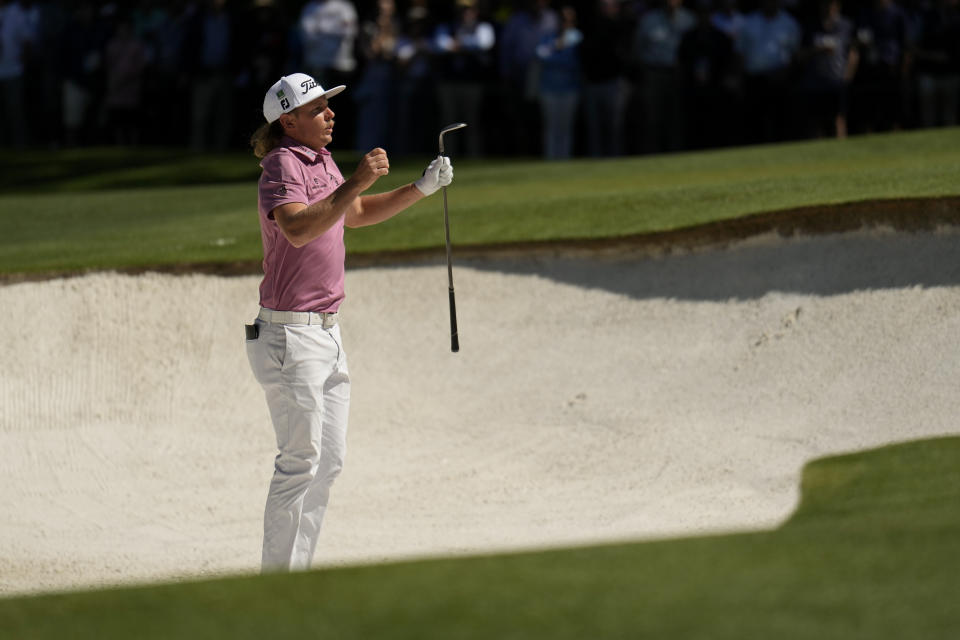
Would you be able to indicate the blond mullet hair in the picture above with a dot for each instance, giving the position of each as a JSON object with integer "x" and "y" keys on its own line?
{"x": 266, "y": 138}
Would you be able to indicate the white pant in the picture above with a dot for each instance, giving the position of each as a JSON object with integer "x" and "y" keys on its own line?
{"x": 303, "y": 372}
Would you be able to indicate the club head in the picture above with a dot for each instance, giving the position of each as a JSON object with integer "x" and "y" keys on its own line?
{"x": 448, "y": 129}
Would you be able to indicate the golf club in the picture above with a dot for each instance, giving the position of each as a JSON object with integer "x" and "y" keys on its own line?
{"x": 454, "y": 339}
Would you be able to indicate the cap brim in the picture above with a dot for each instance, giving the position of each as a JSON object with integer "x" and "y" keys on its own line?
{"x": 329, "y": 93}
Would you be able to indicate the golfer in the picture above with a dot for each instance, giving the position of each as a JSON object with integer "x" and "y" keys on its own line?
{"x": 294, "y": 345}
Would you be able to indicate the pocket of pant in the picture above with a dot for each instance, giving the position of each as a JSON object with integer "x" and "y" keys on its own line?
{"x": 268, "y": 352}
{"x": 341, "y": 362}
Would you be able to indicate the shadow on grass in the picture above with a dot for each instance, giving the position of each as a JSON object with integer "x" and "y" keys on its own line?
{"x": 119, "y": 167}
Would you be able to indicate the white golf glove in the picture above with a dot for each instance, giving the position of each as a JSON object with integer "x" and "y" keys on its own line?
{"x": 439, "y": 173}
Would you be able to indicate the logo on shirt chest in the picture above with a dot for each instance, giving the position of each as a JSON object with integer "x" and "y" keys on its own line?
{"x": 315, "y": 185}
{"x": 331, "y": 182}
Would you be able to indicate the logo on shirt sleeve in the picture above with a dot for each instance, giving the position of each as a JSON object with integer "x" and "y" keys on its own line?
{"x": 281, "y": 190}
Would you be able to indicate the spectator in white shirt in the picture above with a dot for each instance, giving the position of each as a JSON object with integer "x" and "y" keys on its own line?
{"x": 328, "y": 31}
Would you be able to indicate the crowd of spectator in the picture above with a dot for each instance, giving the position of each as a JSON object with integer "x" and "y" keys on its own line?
{"x": 531, "y": 77}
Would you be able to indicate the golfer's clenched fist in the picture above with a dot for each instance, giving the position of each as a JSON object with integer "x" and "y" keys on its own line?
{"x": 373, "y": 165}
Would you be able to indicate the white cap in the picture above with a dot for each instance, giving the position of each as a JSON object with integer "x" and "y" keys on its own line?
{"x": 289, "y": 92}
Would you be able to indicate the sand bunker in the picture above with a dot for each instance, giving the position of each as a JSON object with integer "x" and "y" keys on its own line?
{"x": 592, "y": 399}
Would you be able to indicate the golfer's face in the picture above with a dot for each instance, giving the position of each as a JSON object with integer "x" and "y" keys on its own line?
{"x": 313, "y": 124}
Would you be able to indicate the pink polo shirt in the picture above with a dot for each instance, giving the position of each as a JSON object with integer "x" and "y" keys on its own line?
{"x": 309, "y": 278}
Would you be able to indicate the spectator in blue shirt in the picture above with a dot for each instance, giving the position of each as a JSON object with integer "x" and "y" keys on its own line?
{"x": 416, "y": 83}
{"x": 519, "y": 68}
{"x": 709, "y": 67}
{"x": 375, "y": 92}
{"x": 209, "y": 45}
{"x": 728, "y": 19}
{"x": 655, "y": 44}
{"x": 603, "y": 57}
{"x": 877, "y": 88}
{"x": 560, "y": 85}
{"x": 464, "y": 56}
{"x": 937, "y": 61}
{"x": 17, "y": 35}
{"x": 830, "y": 57}
{"x": 768, "y": 44}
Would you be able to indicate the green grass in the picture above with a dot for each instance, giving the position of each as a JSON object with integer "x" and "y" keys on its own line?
{"x": 117, "y": 209}
{"x": 873, "y": 551}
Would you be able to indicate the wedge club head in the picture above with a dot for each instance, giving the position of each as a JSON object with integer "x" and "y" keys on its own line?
{"x": 448, "y": 129}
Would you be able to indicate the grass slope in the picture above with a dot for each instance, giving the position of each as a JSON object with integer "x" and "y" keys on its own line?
{"x": 88, "y": 215}
{"x": 871, "y": 552}
{"x": 89, "y": 169}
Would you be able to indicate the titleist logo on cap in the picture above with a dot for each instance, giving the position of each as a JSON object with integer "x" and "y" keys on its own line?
{"x": 308, "y": 84}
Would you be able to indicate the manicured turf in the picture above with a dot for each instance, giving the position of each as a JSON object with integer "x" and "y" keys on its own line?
{"x": 872, "y": 552}
{"x": 97, "y": 219}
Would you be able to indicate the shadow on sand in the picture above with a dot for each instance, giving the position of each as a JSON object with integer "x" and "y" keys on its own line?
{"x": 819, "y": 265}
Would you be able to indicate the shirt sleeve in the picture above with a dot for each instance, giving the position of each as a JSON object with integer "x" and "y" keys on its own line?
{"x": 281, "y": 182}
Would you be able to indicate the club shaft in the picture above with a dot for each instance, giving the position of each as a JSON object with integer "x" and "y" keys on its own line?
{"x": 446, "y": 230}
{"x": 454, "y": 337}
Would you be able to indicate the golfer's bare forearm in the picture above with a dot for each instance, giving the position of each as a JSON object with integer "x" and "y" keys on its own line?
{"x": 301, "y": 224}
{"x": 383, "y": 206}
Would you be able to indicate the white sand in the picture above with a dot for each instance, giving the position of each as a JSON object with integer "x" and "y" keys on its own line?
{"x": 593, "y": 399}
